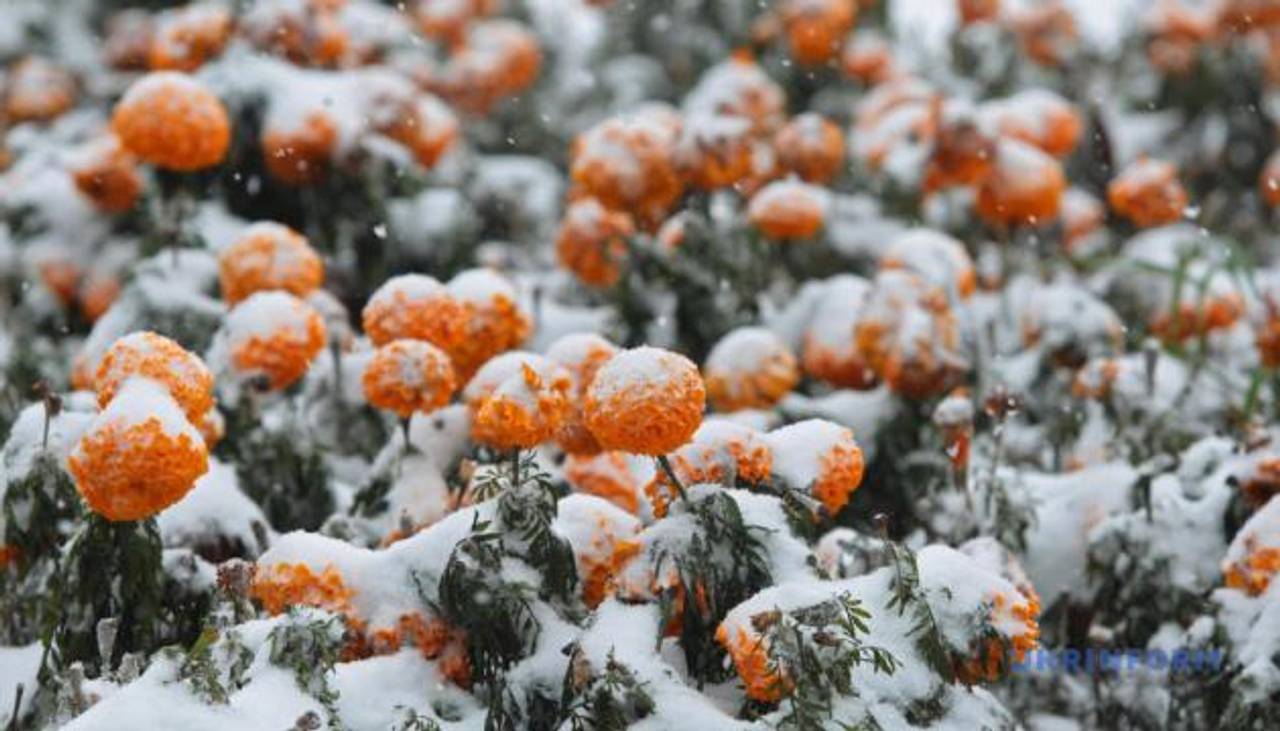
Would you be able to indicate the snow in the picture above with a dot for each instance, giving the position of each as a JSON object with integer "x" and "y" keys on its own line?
{"x": 215, "y": 508}
{"x": 640, "y": 371}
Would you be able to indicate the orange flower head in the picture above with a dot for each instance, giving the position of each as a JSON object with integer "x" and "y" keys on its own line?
{"x": 607, "y": 475}
{"x": 155, "y": 357}
{"x": 739, "y": 87}
{"x": 716, "y": 151}
{"x": 494, "y": 60}
{"x": 423, "y": 124}
{"x": 172, "y": 121}
{"x": 107, "y": 175}
{"x": 750, "y": 654}
{"x": 603, "y": 539}
{"x": 99, "y": 290}
{"x": 867, "y": 57}
{"x": 526, "y": 408}
{"x": 908, "y": 333}
{"x": 1269, "y": 180}
{"x": 1148, "y": 193}
{"x": 281, "y": 586}
{"x": 819, "y": 457}
{"x": 581, "y": 354}
{"x": 1025, "y": 186}
{"x": 1038, "y": 117}
{"x": 1047, "y": 32}
{"x": 788, "y": 210}
{"x": 645, "y": 401}
{"x": 722, "y": 452}
{"x": 1175, "y": 34}
{"x": 37, "y": 90}
{"x": 627, "y": 163}
{"x": 815, "y": 28}
{"x": 1253, "y": 558}
{"x": 830, "y": 352}
{"x": 139, "y": 456}
{"x": 300, "y": 155}
{"x": 494, "y": 322}
{"x": 185, "y": 38}
{"x": 811, "y": 147}
{"x": 936, "y": 257}
{"x": 592, "y": 243}
{"x": 274, "y": 335}
{"x": 962, "y": 155}
{"x": 749, "y": 368}
{"x": 269, "y": 256}
{"x": 977, "y": 11}
{"x": 1245, "y": 16}
{"x": 407, "y": 376}
{"x": 416, "y": 307}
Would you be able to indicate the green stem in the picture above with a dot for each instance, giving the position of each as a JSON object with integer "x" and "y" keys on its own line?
{"x": 665, "y": 464}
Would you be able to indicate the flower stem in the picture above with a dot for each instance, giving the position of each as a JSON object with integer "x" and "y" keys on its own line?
{"x": 665, "y": 464}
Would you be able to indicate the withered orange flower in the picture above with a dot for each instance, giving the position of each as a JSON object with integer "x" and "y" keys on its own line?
{"x": 591, "y": 242}
{"x": 416, "y": 307}
{"x": 645, "y": 401}
{"x": 172, "y": 121}
{"x": 1148, "y": 193}
{"x": 274, "y": 335}
{"x": 159, "y": 359}
{"x": 139, "y": 456}
{"x": 407, "y": 376}
{"x": 269, "y": 256}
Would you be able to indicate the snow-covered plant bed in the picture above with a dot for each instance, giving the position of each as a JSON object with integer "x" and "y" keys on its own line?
{"x": 588, "y": 365}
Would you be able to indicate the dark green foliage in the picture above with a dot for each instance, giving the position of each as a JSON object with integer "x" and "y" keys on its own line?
{"x": 909, "y": 596}
{"x": 310, "y": 648}
{"x": 611, "y": 700}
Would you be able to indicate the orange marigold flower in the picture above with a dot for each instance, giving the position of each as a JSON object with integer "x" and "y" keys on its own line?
{"x": 494, "y": 320}
{"x": 526, "y": 409}
{"x": 98, "y": 291}
{"x": 496, "y": 59}
{"x": 1269, "y": 180}
{"x": 645, "y": 401}
{"x": 280, "y": 586}
{"x": 306, "y": 35}
{"x": 107, "y": 175}
{"x": 405, "y": 376}
{"x": 1244, "y": 16}
{"x": 908, "y": 333}
{"x": 811, "y": 147}
{"x": 1024, "y": 188}
{"x": 172, "y": 121}
{"x": 581, "y": 354}
{"x": 416, "y": 307}
{"x": 139, "y": 456}
{"x": 592, "y": 243}
{"x": 275, "y": 335}
{"x": 1148, "y": 193}
{"x": 1253, "y": 558}
{"x": 717, "y": 151}
{"x": 186, "y": 37}
{"x": 1259, "y": 478}
{"x": 162, "y": 360}
{"x": 269, "y": 256}
{"x": 59, "y": 273}
{"x": 628, "y": 165}
{"x": 300, "y": 155}
{"x": 936, "y": 257}
{"x": 977, "y": 11}
{"x": 749, "y": 368}
{"x": 962, "y": 155}
{"x": 721, "y": 452}
{"x": 603, "y": 539}
{"x": 1214, "y": 310}
{"x": 606, "y": 475}
{"x": 815, "y": 28}
{"x": 36, "y": 90}
{"x": 819, "y": 457}
{"x": 830, "y": 352}
{"x": 739, "y": 87}
{"x": 787, "y": 210}
{"x": 1038, "y": 117}
{"x": 868, "y": 58}
{"x": 1175, "y": 33}
{"x": 1046, "y": 32}
{"x": 423, "y": 124}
